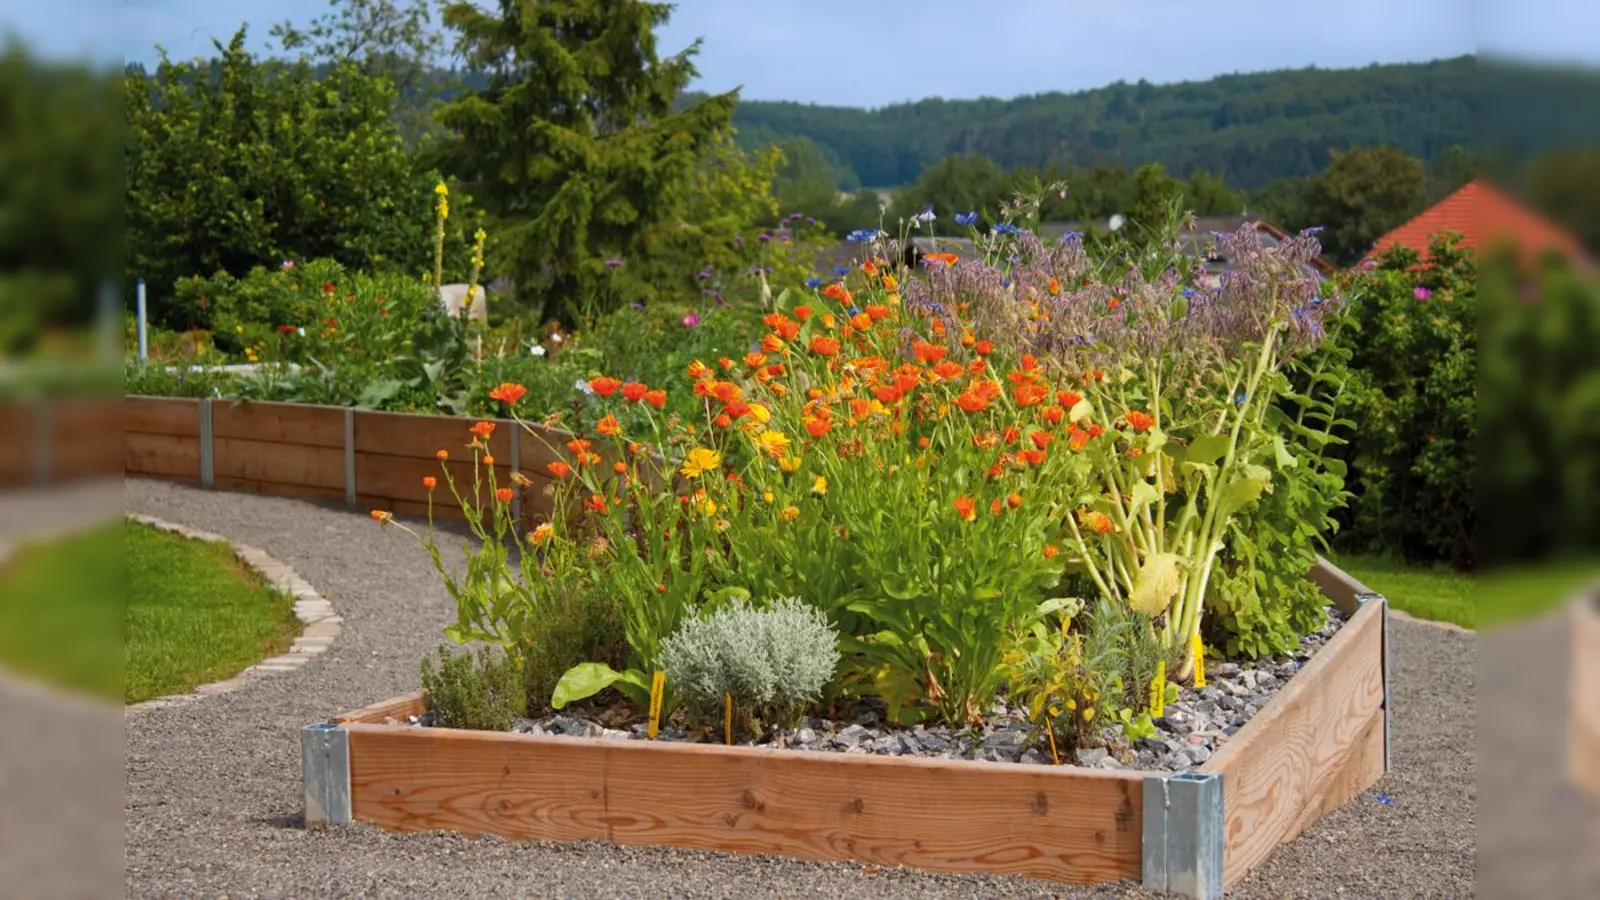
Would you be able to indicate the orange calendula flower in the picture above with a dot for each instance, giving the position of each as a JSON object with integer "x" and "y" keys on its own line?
{"x": 947, "y": 259}
{"x": 789, "y": 513}
{"x": 877, "y": 312}
{"x": 948, "y": 370}
{"x": 508, "y": 393}
{"x": 859, "y": 407}
{"x": 927, "y": 353}
{"x": 596, "y": 503}
{"x": 818, "y": 427}
{"x": 886, "y": 393}
{"x": 698, "y": 370}
{"x": 736, "y": 409}
{"x": 1041, "y": 439}
{"x": 605, "y": 385}
{"x": 772, "y": 343}
{"x": 890, "y": 284}
{"x": 725, "y": 391}
{"x": 619, "y": 467}
{"x": 541, "y": 534}
{"x": 1053, "y": 414}
{"x": 802, "y": 313}
{"x": 504, "y": 495}
{"x": 971, "y": 402}
{"x": 996, "y": 506}
{"x": 725, "y": 362}
{"x": 1012, "y": 434}
{"x": 966, "y": 508}
{"x": 656, "y": 398}
{"x": 442, "y": 455}
{"x": 1014, "y": 500}
{"x": 1033, "y": 456}
{"x": 1097, "y": 522}
{"x": 578, "y": 445}
{"x": 1077, "y": 438}
{"x": 559, "y": 469}
{"x": 1068, "y": 399}
{"x": 634, "y": 391}
{"x": 1140, "y": 421}
{"x": 382, "y": 515}
{"x": 754, "y": 360}
{"x": 483, "y": 429}
{"x": 430, "y": 482}
{"x": 825, "y": 346}
{"x": 1051, "y": 551}
{"x": 722, "y": 420}
{"x": 488, "y": 460}
{"x": 983, "y": 348}
{"x": 861, "y": 321}
{"x": 1029, "y": 394}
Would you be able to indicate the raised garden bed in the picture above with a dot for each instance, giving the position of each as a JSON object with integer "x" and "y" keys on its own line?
{"x": 1584, "y": 750}
{"x": 1318, "y": 742}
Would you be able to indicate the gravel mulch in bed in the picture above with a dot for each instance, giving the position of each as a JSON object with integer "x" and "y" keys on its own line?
{"x": 213, "y": 804}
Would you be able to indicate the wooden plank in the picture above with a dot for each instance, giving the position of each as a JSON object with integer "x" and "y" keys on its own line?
{"x": 179, "y": 416}
{"x": 1338, "y": 586}
{"x": 420, "y": 437}
{"x": 284, "y": 464}
{"x": 1316, "y": 745}
{"x": 399, "y": 708}
{"x": 19, "y": 428}
{"x": 162, "y": 455}
{"x": 443, "y": 512}
{"x": 256, "y": 486}
{"x": 1065, "y": 824}
{"x": 400, "y": 478}
{"x": 85, "y": 437}
{"x": 290, "y": 423}
{"x": 1584, "y": 751}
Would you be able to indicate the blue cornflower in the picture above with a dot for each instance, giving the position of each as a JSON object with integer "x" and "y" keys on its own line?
{"x": 1239, "y": 400}
{"x": 813, "y": 282}
{"x": 1313, "y": 230}
{"x": 861, "y": 236}
{"x": 1006, "y": 228}
{"x": 854, "y": 311}
{"x": 967, "y": 218}
{"x": 841, "y": 270}
{"x": 926, "y": 215}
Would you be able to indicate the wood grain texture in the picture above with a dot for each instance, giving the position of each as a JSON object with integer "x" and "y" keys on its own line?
{"x": 420, "y": 437}
{"x": 1339, "y": 586}
{"x": 85, "y": 437}
{"x": 298, "y": 465}
{"x": 277, "y": 489}
{"x": 400, "y": 478}
{"x": 19, "y": 425}
{"x": 1316, "y": 745}
{"x": 1584, "y": 749}
{"x": 414, "y": 704}
{"x": 288, "y": 423}
{"x": 1064, "y": 824}
{"x": 161, "y": 455}
{"x": 179, "y": 416}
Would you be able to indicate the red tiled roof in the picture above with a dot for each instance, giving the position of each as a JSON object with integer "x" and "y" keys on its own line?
{"x": 1478, "y": 212}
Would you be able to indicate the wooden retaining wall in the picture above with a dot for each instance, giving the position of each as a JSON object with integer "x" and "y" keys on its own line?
{"x": 374, "y": 460}
{"x": 1584, "y": 741}
{"x": 59, "y": 440}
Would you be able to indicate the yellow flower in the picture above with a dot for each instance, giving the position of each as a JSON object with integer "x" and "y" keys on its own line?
{"x": 700, "y": 461}
{"x": 820, "y": 486}
{"x": 708, "y": 506}
{"x": 767, "y": 496}
{"x": 789, "y": 464}
{"x": 541, "y": 534}
{"x": 441, "y": 190}
{"x": 760, "y": 413}
{"x": 772, "y": 443}
{"x": 789, "y": 513}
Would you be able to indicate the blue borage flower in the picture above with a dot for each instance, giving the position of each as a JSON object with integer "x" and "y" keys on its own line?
{"x": 967, "y": 218}
{"x": 813, "y": 282}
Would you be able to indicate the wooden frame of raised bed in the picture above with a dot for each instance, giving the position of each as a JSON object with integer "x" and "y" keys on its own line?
{"x": 1584, "y": 743}
{"x": 374, "y": 460}
{"x": 1321, "y": 741}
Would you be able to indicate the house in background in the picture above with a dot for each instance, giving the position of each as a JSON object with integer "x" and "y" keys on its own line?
{"x": 1484, "y": 215}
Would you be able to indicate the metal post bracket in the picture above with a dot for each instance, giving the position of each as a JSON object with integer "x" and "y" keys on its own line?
{"x": 1383, "y": 649}
{"x": 325, "y": 764}
{"x": 1183, "y": 837}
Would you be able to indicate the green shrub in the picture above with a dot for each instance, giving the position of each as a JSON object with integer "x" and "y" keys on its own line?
{"x": 574, "y": 623}
{"x": 482, "y": 693}
{"x": 1411, "y": 393}
{"x": 772, "y": 661}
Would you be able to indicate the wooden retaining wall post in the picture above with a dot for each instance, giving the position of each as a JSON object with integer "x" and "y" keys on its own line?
{"x": 349, "y": 456}
{"x": 43, "y": 445}
{"x": 208, "y": 461}
{"x": 325, "y": 762}
{"x": 1182, "y": 842}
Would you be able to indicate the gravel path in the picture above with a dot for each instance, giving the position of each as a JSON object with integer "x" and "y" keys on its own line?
{"x": 214, "y": 805}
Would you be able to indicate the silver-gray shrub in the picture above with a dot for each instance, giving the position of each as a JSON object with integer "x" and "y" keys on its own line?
{"x": 773, "y": 661}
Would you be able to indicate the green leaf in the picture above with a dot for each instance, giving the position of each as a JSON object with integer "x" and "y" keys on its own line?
{"x": 584, "y": 680}
{"x": 1244, "y": 488}
{"x": 1143, "y": 494}
{"x": 1207, "y": 448}
{"x": 1285, "y": 459}
{"x": 1156, "y": 583}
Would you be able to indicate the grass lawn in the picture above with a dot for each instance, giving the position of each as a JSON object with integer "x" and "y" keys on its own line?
{"x": 195, "y": 614}
{"x": 1440, "y": 595}
{"x": 1507, "y": 595}
{"x": 61, "y": 612}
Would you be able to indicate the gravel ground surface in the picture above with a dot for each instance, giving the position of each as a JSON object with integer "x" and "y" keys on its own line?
{"x": 213, "y": 793}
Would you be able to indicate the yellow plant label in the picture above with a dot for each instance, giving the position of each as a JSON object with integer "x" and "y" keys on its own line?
{"x": 1158, "y": 691}
{"x": 727, "y": 719}
{"x": 1199, "y": 661}
{"x": 657, "y": 684}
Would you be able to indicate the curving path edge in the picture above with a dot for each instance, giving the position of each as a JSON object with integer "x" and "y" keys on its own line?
{"x": 320, "y": 625}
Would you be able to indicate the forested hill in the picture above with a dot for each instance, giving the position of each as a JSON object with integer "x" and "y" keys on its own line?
{"x": 1249, "y": 129}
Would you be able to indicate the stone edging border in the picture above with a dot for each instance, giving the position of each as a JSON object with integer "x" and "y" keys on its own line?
{"x": 310, "y": 607}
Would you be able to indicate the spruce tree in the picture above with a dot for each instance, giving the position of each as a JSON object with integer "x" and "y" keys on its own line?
{"x": 578, "y": 145}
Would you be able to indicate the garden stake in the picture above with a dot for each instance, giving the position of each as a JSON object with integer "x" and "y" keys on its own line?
{"x": 727, "y": 719}
{"x": 1050, "y": 733}
{"x": 1199, "y": 662}
{"x": 1158, "y": 690}
{"x": 656, "y": 685}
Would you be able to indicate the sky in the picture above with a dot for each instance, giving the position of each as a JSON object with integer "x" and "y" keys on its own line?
{"x": 865, "y": 53}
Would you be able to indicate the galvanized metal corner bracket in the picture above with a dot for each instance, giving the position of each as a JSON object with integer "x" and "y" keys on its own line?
{"x": 350, "y": 456}
{"x": 1183, "y": 835}
{"x": 325, "y": 765}
{"x": 1383, "y": 649}
{"x": 208, "y": 466}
